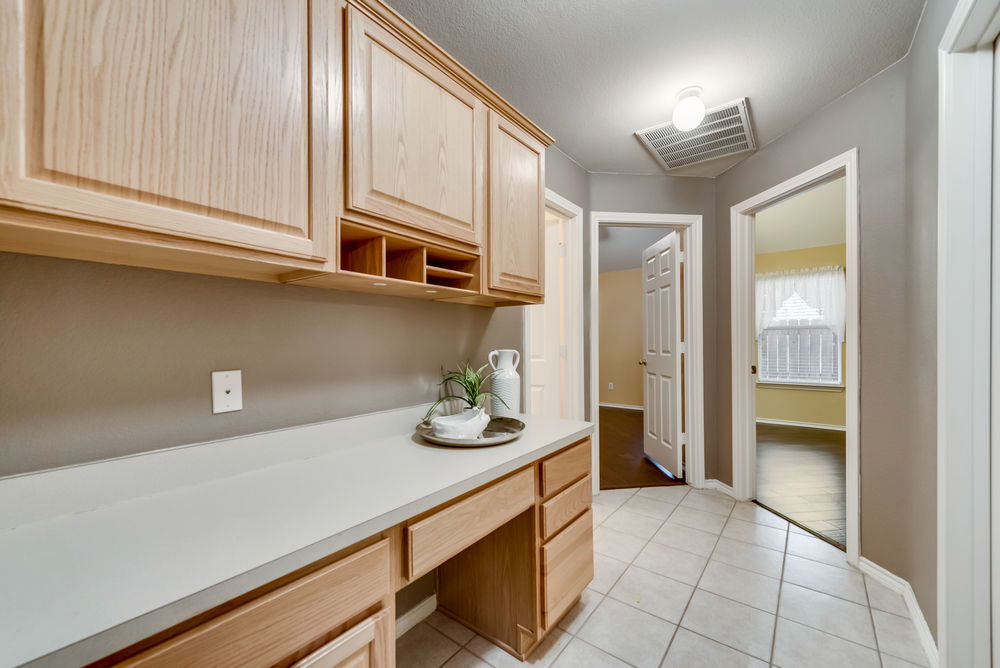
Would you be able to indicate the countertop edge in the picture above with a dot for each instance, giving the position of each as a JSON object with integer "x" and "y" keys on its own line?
{"x": 119, "y": 637}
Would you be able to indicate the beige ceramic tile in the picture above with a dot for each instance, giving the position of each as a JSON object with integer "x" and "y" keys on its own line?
{"x": 739, "y": 626}
{"x": 424, "y": 647}
{"x": 653, "y": 593}
{"x": 690, "y": 650}
{"x": 627, "y": 633}
{"x": 798, "y": 646}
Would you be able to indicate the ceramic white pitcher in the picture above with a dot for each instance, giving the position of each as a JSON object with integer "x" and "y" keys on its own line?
{"x": 506, "y": 384}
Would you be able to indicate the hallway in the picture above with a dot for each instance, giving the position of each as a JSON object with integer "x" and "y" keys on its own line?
{"x": 686, "y": 579}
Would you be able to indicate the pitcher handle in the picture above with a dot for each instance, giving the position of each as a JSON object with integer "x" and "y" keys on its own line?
{"x": 490, "y": 358}
{"x": 517, "y": 358}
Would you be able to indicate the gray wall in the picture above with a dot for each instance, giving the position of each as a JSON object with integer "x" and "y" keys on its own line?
{"x": 101, "y": 361}
{"x": 683, "y": 195}
{"x": 892, "y": 120}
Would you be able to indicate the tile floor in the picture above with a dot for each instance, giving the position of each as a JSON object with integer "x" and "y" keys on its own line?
{"x": 688, "y": 579}
{"x": 801, "y": 473}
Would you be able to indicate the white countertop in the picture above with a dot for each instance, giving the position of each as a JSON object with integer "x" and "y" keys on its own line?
{"x": 94, "y": 558}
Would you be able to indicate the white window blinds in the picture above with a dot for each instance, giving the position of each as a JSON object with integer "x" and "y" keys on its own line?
{"x": 799, "y": 333}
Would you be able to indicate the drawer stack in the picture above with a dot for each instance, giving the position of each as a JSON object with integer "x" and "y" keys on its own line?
{"x": 567, "y": 530}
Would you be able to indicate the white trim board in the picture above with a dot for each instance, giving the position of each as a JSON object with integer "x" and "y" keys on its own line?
{"x": 720, "y": 486}
{"x": 742, "y": 227}
{"x": 694, "y": 466}
{"x": 807, "y": 425}
{"x": 573, "y": 216}
{"x": 968, "y": 338}
{"x": 622, "y": 406}
{"x": 903, "y": 588}
{"x": 416, "y": 614}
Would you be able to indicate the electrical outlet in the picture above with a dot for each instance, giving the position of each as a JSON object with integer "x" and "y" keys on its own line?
{"x": 227, "y": 391}
{"x": 611, "y": 386}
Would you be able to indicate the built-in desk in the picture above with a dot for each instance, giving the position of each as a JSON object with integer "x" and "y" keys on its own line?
{"x": 146, "y": 549}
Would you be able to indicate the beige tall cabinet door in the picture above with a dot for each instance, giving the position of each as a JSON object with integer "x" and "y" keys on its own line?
{"x": 517, "y": 201}
{"x": 187, "y": 118}
{"x": 661, "y": 354}
{"x": 416, "y": 137}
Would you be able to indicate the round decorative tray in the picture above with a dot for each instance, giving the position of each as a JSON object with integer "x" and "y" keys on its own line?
{"x": 499, "y": 430}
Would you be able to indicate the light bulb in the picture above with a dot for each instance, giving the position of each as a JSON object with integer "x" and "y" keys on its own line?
{"x": 690, "y": 110}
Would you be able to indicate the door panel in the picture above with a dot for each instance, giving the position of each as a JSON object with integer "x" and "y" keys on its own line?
{"x": 662, "y": 323}
{"x": 517, "y": 199}
{"x": 548, "y": 334}
{"x": 188, "y": 118}
{"x": 416, "y": 139}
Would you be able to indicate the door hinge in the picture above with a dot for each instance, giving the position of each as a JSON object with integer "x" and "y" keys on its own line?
{"x": 682, "y": 348}
{"x": 562, "y": 350}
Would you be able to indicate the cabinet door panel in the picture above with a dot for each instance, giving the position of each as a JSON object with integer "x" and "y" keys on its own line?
{"x": 416, "y": 139}
{"x": 186, "y": 117}
{"x": 517, "y": 200}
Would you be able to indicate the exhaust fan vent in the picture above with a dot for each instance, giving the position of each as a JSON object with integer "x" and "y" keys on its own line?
{"x": 725, "y": 131}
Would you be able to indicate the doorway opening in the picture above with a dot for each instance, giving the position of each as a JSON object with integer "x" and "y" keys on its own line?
{"x": 649, "y": 418}
{"x": 552, "y": 372}
{"x": 796, "y": 352}
{"x": 800, "y": 255}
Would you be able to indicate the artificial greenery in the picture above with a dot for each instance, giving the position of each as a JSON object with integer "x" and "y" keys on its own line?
{"x": 472, "y": 381}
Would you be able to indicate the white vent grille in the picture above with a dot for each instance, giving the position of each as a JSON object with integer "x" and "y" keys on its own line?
{"x": 725, "y": 131}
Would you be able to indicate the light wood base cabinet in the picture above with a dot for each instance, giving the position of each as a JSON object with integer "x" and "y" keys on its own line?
{"x": 510, "y": 560}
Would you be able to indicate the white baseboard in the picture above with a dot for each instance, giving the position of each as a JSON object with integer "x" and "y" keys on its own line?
{"x": 808, "y": 425}
{"x": 415, "y": 615}
{"x": 719, "y": 486}
{"x": 625, "y": 406}
{"x": 901, "y": 586}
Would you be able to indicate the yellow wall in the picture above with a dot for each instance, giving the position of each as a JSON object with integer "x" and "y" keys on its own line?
{"x": 799, "y": 405}
{"x": 621, "y": 337}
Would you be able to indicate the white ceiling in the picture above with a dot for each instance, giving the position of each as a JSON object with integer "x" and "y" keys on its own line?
{"x": 592, "y": 72}
{"x": 620, "y": 248}
{"x": 817, "y": 217}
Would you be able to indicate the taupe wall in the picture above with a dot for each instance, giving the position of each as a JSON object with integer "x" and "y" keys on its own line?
{"x": 892, "y": 120}
{"x": 100, "y": 361}
{"x": 683, "y": 195}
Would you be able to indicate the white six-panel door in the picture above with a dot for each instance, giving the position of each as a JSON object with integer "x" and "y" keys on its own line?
{"x": 661, "y": 354}
{"x": 548, "y": 330}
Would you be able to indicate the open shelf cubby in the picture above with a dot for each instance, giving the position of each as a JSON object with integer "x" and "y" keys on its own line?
{"x": 373, "y": 253}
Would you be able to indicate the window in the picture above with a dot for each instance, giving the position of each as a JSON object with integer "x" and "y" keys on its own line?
{"x": 798, "y": 347}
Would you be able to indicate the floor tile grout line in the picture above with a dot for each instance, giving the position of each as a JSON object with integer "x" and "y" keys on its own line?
{"x": 777, "y": 609}
{"x": 871, "y": 616}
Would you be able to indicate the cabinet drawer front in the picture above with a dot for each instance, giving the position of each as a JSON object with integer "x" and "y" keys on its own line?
{"x": 558, "y": 511}
{"x": 567, "y": 567}
{"x": 181, "y": 119}
{"x": 416, "y": 138}
{"x": 366, "y": 645}
{"x": 276, "y": 626}
{"x": 444, "y": 534}
{"x": 566, "y": 467}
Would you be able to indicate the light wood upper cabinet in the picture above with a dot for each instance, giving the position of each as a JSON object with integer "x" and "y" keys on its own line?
{"x": 517, "y": 201}
{"x": 416, "y": 137}
{"x": 192, "y": 119}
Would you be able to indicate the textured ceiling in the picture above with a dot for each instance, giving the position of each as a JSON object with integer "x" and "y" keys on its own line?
{"x": 592, "y": 72}
{"x": 817, "y": 217}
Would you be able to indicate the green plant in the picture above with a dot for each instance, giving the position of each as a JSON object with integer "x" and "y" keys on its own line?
{"x": 471, "y": 380}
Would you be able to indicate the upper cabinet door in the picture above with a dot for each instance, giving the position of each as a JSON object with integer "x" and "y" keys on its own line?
{"x": 517, "y": 201}
{"x": 181, "y": 117}
{"x": 416, "y": 137}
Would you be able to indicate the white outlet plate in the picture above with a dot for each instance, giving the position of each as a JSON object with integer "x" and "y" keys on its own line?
{"x": 227, "y": 391}
{"x": 611, "y": 386}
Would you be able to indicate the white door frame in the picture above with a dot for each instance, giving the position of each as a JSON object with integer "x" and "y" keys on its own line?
{"x": 573, "y": 241}
{"x": 694, "y": 366}
{"x": 968, "y": 328}
{"x": 743, "y": 229}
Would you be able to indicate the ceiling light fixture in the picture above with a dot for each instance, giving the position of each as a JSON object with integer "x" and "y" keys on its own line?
{"x": 690, "y": 110}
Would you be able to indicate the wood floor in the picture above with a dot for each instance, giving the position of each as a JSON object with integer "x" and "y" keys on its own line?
{"x": 801, "y": 473}
{"x": 623, "y": 463}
